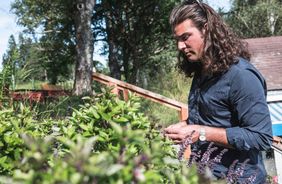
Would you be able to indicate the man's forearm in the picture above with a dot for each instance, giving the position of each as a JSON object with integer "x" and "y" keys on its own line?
{"x": 216, "y": 135}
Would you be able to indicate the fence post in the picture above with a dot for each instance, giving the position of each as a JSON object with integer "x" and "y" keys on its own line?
{"x": 183, "y": 114}
{"x": 125, "y": 94}
{"x": 115, "y": 89}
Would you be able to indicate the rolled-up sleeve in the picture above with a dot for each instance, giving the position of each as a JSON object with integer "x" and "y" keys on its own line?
{"x": 253, "y": 129}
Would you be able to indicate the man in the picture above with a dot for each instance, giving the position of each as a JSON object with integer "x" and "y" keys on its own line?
{"x": 227, "y": 104}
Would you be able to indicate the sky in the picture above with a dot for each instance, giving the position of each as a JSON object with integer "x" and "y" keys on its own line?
{"x": 8, "y": 24}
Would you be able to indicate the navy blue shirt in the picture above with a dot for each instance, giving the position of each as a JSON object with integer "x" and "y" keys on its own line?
{"x": 235, "y": 100}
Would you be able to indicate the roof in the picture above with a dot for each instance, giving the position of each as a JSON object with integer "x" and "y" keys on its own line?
{"x": 267, "y": 58}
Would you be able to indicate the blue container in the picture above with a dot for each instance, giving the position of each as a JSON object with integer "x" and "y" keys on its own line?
{"x": 275, "y": 109}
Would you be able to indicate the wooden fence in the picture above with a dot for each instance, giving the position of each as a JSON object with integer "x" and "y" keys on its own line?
{"x": 120, "y": 87}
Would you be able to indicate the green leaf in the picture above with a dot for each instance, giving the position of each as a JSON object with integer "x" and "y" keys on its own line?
{"x": 120, "y": 119}
{"x": 95, "y": 114}
{"x": 103, "y": 135}
{"x": 114, "y": 169}
{"x": 3, "y": 159}
{"x": 105, "y": 116}
{"x": 83, "y": 126}
{"x": 116, "y": 127}
{"x": 25, "y": 176}
{"x": 153, "y": 176}
{"x": 76, "y": 178}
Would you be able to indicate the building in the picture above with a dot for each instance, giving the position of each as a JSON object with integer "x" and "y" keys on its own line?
{"x": 267, "y": 57}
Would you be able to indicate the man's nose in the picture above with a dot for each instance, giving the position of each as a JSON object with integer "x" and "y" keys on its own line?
{"x": 181, "y": 45}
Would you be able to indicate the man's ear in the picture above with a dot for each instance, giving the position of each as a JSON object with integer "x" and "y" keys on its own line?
{"x": 204, "y": 30}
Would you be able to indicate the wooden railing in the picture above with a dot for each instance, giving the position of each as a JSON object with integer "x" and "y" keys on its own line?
{"x": 124, "y": 88}
{"x": 37, "y": 95}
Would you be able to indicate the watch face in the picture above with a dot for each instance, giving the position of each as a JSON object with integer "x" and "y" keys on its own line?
{"x": 202, "y": 138}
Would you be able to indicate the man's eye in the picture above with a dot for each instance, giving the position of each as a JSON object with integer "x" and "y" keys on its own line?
{"x": 184, "y": 38}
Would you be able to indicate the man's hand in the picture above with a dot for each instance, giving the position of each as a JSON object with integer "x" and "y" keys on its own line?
{"x": 179, "y": 131}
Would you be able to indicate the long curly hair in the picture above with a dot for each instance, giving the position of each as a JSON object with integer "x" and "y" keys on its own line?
{"x": 222, "y": 47}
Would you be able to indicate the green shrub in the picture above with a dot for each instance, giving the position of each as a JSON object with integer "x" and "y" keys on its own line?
{"x": 12, "y": 126}
{"x": 106, "y": 140}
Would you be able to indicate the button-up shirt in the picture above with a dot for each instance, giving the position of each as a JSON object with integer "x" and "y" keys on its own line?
{"x": 236, "y": 101}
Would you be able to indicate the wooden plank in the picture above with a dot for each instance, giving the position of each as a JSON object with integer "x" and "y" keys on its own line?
{"x": 37, "y": 95}
{"x": 120, "y": 85}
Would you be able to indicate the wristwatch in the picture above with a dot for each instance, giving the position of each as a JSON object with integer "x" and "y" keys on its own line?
{"x": 202, "y": 136}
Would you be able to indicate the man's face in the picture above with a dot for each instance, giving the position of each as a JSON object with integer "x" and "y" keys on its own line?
{"x": 190, "y": 40}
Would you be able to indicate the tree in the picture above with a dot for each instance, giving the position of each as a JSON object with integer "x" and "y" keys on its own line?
{"x": 60, "y": 36}
{"x": 50, "y": 30}
{"x": 10, "y": 59}
{"x": 136, "y": 32}
{"x": 256, "y": 18}
{"x": 30, "y": 65}
{"x": 84, "y": 47}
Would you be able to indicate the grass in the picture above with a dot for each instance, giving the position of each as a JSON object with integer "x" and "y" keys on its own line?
{"x": 36, "y": 85}
{"x": 173, "y": 85}
{"x": 29, "y": 85}
{"x": 159, "y": 114}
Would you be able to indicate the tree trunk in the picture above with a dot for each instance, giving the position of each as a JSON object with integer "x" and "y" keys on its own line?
{"x": 272, "y": 19}
{"x": 126, "y": 55}
{"x": 113, "y": 61}
{"x": 113, "y": 47}
{"x": 133, "y": 77}
{"x": 84, "y": 47}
